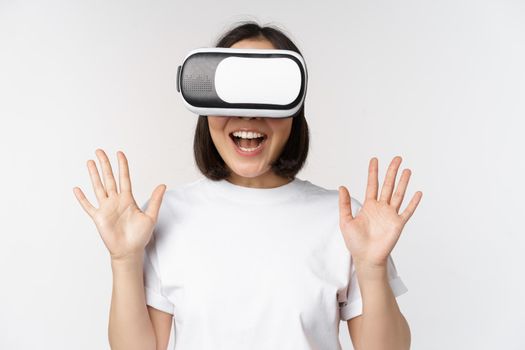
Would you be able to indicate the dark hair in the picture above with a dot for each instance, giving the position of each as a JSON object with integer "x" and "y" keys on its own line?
{"x": 295, "y": 151}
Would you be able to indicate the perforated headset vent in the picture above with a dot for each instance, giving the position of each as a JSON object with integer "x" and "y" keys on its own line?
{"x": 198, "y": 84}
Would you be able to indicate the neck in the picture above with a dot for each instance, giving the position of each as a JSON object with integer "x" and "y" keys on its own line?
{"x": 266, "y": 180}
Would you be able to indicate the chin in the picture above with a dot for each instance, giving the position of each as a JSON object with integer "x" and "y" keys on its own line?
{"x": 247, "y": 172}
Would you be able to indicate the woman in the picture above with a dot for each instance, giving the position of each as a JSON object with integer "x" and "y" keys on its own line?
{"x": 250, "y": 256}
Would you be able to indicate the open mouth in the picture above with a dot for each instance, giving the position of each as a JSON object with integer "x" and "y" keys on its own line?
{"x": 248, "y": 145}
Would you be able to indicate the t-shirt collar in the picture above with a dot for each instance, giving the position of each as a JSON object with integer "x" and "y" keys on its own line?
{"x": 232, "y": 191}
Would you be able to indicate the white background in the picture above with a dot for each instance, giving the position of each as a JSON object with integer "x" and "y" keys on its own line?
{"x": 441, "y": 83}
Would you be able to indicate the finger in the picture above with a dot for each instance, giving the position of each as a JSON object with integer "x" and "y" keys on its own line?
{"x": 400, "y": 190}
{"x": 390, "y": 179}
{"x": 99, "y": 189}
{"x": 371, "y": 188}
{"x": 407, "y": 213}
{"x": 345, "y": 206}
{"x": 155, "y": 201}
{"x": 109, "y": 180}
{"x": 123, "y": 169}
{"x": 88, "y": 208}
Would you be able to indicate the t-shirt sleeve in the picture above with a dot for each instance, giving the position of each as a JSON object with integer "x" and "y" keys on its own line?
{"x": 151, "y": 272}
{"x": 352, "y": 306}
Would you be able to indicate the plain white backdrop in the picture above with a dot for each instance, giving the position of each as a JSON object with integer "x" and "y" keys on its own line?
{"x": 441, "y": 83}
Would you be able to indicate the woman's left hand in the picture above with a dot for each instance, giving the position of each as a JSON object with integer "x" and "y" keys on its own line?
{"x": 375, "y": 230}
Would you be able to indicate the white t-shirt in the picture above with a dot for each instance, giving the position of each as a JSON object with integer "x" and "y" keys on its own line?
{"x": 251, "y": 268}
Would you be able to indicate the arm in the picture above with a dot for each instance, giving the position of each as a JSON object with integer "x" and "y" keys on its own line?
{"x": 381, "y": 326}
{"x": 129, "y": 324}
{"x": 162, "y": 322}
{"x": 370, "y": 236}
{"x": 125, "y": 229}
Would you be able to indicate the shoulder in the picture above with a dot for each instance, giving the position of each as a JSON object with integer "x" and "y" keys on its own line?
{"x": 177, "y": 196}
{"x": 186, "y": 189}
{"x": 314, "y": 191}
{"x": 177, "y": 203}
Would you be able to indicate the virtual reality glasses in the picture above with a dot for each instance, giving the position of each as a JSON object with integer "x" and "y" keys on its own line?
{"x": 243, "y": 82}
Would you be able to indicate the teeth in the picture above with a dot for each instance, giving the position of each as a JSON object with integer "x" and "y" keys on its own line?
{"x": 247, "y": 135}
{"x": 249, "y": 149}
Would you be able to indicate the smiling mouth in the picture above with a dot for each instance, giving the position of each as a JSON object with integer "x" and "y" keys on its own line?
{"x": 248, "y": 143}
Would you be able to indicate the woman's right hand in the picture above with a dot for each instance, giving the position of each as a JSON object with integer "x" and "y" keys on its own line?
{"x": 123, "y": 226}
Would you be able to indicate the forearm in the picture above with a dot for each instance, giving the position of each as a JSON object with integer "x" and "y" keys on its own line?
{"x": 383, "y": 326}
{"x": 129, "y": 324}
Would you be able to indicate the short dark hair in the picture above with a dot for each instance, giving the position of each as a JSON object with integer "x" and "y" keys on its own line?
{"x": 295, "y": 151}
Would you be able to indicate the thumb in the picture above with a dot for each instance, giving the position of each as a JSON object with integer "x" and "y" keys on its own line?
{"x": 345, "y": 206}
{"x": 155, "y": 201}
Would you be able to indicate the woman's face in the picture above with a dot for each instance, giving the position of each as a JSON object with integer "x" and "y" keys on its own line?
{"x": 251, "y": 168}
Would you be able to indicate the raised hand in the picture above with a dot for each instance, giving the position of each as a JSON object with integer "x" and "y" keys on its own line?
{"x": 375, "y": 230}
{"x": 124, "y": 228}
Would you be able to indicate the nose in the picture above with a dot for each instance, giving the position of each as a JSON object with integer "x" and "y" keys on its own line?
{"x": 248, "y": 118}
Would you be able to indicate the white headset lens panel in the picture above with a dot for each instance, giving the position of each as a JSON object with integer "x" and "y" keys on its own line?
{"x": 258, "y": 80}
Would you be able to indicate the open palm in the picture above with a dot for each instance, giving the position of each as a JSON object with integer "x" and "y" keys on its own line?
{"x": 123, "y": 226}
{"x": 375, "y": 230}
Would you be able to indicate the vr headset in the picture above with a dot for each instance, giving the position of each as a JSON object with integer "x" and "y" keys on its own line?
{"x": 243, "y": 82}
